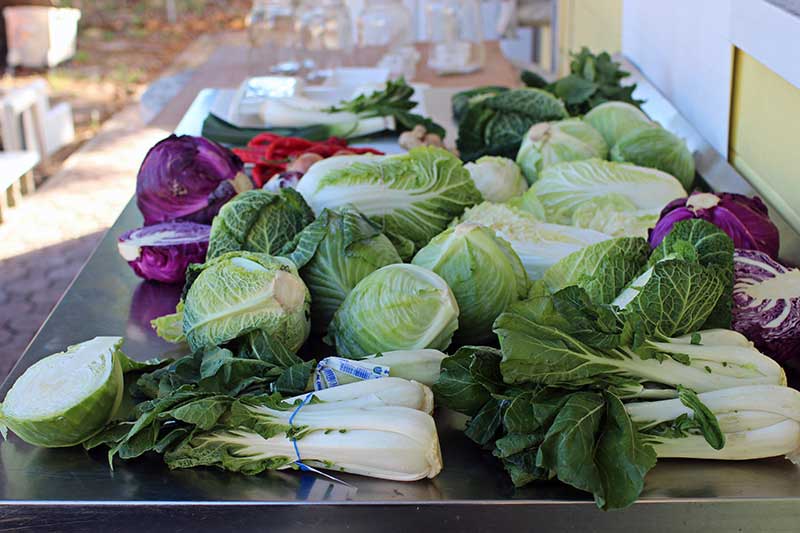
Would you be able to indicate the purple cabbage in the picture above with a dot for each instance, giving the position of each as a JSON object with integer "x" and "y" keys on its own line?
{"x": 186, "y": 178}
{"x": 766, "y": 305}
{"x": 162, "y": 252}
{"x": 285, "y": 180}
{"x": 744, "y": 219}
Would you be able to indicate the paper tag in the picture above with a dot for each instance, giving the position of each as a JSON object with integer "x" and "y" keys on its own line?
{"x": 333, "y": 371}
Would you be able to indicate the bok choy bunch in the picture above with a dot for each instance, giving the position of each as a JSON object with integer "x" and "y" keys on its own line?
{"x": 379, "y": 428}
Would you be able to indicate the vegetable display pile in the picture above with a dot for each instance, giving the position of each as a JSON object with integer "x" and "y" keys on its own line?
{"x": 597, "y": 318}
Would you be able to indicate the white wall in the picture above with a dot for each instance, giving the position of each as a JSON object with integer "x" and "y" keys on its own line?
{"x": 684, "y": 48}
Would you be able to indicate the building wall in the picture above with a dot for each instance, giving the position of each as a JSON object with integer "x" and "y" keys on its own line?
{"x": 593, "y": 23}
{"x": 765, "y": 133}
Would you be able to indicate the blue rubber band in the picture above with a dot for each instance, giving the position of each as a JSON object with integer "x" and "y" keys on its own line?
{"x": 299, "y": 461}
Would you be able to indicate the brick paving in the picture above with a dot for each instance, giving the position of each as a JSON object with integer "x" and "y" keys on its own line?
{"x": 45, "y": 240}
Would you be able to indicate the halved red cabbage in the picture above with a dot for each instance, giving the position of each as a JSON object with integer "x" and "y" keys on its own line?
{"x": 766, "y": 305}
{"x": 744, "y": 219}
{"x": 162, "y": 252}
{"x": 186, "y": 178}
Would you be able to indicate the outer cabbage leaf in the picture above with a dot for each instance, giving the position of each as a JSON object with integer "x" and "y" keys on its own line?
{"x": 614, "y": 120}
{"x": 398, "y": 307}
{"x": 602, "y": 269}
{"x": 334, "y": 253}
{"x": 483, "y": 272}
{"x": 625, "y": 190}
{"x": 657, "y": 148}
{"x": 548, "y": 143}
{"x": 411, "y": 197}
{"x": 258, "y": 221}
{"x": 538, "y": 245}
{"x": 241, "y": 291}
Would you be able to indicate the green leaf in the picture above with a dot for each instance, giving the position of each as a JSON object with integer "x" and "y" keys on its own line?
{"x": 463, "y": 389}
{"x": 130, "y": 365}
{"x": 203, "y": 413}
{"x": 705, "y": 420}
{"x": 295, "y": 379}
{"x": 532, "y": 79}
{"x": 574, "y": 89}
{"x": 483, "y": 427}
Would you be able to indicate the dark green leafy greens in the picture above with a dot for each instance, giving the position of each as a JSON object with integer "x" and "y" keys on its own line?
{"x": 593, "y": 80}
{"x": 495, "y": 123}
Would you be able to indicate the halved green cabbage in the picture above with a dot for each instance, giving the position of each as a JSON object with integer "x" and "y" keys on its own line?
{"x": 497, "y": 178}
{"x": 66, "y": 397}
{"x": 539, "y": 245}
{"x": 483, "y": 271}
{"x": 412, "y": 197}
{"x": 619, "y": 199}
{"x": 239, "y": 292}
{"x": 398, "y": 307}
{"x": 657, "y": 148}
{"x": 548, "y": 143}
{"x": 614, "y": 120}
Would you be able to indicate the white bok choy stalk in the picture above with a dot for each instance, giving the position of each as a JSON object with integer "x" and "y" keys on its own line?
{"x": 384, "y": 392}
{"x": 298, "y": 112}
{"x": 757, "y": 421}
{"x": 395, "y": 443}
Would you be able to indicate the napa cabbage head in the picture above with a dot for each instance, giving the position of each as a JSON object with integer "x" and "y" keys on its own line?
{"x": 614, "y": 120}
{"x": 497, "y": 178}
{"x": 619, "y": 199}
{"x": 483, "y": 271}
{"x": 334, "y": 253}
{"x": 258, "y": 221}
{"x": 411, "y": 197}
{"x": 548, "y": 143}
{"x": 539, "y": 245}
{"x": 241, "y": 292}
{"x": 398, "y": 307}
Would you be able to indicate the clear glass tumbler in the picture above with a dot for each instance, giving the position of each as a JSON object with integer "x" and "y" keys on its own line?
{"x": 326, "y": 35}
{"x": 384, "y": 30}
{"x": 453, "y": 29}
{"x": 271, "y": 31}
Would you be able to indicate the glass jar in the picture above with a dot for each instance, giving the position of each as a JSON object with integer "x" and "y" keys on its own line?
{"x": 271, "y": 31}
{"x": 453, "y": 29}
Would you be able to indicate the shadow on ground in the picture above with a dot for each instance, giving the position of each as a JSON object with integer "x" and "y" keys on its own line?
{"x": 30, "y": 286}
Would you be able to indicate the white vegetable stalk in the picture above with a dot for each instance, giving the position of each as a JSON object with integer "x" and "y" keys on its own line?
{"x": 758, "y": 421}
{"x": 299, "y": 112}
{"x": 395, "y": 443}
{"x": 713, "y": 366}
{"x": 422, "y": 365}
{"x": 384, "y": 392}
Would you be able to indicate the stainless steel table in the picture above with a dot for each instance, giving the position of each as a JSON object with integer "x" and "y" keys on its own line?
{"x": 71, "y": 490}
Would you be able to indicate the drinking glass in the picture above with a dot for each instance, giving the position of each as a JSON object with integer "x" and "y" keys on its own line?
{"x": 271, "y": 31}
{"x": 385, "y": 35}
{"x": 325, "y": 35}
{"x": 453, "y": 29}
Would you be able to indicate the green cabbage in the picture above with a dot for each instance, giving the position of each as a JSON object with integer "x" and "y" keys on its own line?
{"x": 482, "y": 270}
{"x": 602, "y": 269}
{"x": 242, "y": 292}
{"x": 398, "y": 307}
{"x": 657, "y": 148}
{"x": 498, "y": 179}
{"x": 618, "y": 199}
{"x": 258, "y": 221}
{"x": 614, "y": 120}
{"x": 539, "y": 245}
{"x": 548, "y": 143}
{"x": 334, "y": 253}
{"x": 412, "y": 197}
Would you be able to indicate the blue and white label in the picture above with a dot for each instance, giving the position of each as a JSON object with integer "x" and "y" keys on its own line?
{"x": 333, "y": 371}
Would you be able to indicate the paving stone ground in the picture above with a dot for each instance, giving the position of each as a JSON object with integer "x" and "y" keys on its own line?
{"x": 46, "y": 240}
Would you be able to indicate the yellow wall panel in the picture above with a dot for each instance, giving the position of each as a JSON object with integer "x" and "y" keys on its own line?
{"x": 765, "y": 134}
{"x": 593, "y": 23}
